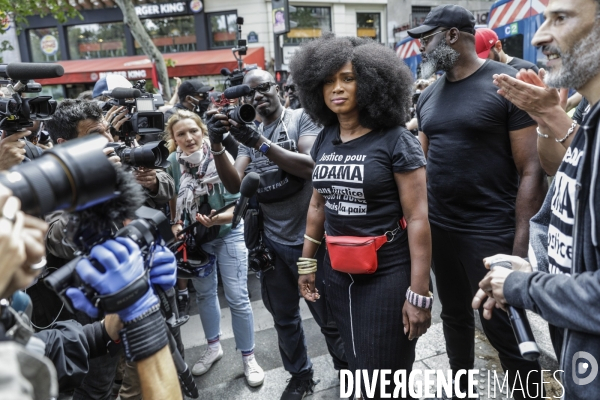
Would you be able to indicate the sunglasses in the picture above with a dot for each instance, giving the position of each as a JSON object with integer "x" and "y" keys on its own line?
{"x": 425, "y": 39}
{"x": 262, "y": 88}
{"x": 289, "y": 87}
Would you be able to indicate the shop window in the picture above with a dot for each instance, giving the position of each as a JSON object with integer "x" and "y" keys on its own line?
{"x": 96, "y": 40}
{"x": 223, "y": 29}
{"x": 419, "y": 13}
{"x": 308, "y": 23}
{"x": 170, "y": 34}
{"x": 368, "y": 26}
{"x": 44, "y": 45}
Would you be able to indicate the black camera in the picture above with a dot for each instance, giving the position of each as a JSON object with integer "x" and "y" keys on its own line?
{"x": 149, "y": 228}
{"x": 145, "y": 119}
{"x": 72, "y": 176}
{"x": 18, "y": 113}
{"x": 261, "y": 258}
{"x": 150, "y": 155}
{"x": 244, "y": 114}
{"x": 236, "y": 77}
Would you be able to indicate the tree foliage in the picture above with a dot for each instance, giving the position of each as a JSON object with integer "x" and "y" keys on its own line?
{"x": 19, "y": 10}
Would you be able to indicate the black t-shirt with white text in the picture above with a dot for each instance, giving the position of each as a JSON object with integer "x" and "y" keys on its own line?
{"x": 356, "y": 178}
{"x": 472, "y": 179}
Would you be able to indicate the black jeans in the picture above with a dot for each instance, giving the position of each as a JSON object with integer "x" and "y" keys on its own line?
{"x": 458, "y": 267}
{"x": 282, "y": 299}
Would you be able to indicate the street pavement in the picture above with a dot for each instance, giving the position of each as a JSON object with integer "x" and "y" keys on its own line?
{"x": 226, "y": 381}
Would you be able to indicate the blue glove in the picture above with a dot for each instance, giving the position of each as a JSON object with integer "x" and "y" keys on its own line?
{"x": 123, "y": 262}
{"x": 163, "y": 268}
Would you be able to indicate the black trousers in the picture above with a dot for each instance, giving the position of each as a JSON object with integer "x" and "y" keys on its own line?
{"x": 458, "y": 267}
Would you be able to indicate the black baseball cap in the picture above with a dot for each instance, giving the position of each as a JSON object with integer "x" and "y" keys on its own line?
{"x": 446, "y": 16}
{"x": 192, "y": 87}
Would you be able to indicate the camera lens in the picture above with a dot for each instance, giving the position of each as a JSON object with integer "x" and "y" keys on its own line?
{"x": 243, "y": 114}
{"x": 73, "y": 176}
{"x": 150, "y": 155}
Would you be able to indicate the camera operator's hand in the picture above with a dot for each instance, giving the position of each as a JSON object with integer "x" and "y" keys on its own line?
{"x": 116, "y": 119}
{"x": 114, "y": 158}
{"x": 217, "y": 125}
{"x": 12, "y": 150}
{"x": 492, "y": 285}
{"x": 123, "y": 263}
{"x": 163, "y": 268}
{"x": 247, "y": 135}
{"x": 147, "y": 178}
{"x": 176, "y": 228}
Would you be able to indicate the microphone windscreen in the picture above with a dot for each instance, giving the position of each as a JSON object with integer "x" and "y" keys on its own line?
{"x": 236, "y": 92}
{"x": 225, "y": 72}
{"x": 26, "y": 71}
{"x": 125, "y": 93}
{"x": 250, "y": 184}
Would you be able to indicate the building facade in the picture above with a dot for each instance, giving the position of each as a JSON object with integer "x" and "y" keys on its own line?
{"x": 195, "y": 37}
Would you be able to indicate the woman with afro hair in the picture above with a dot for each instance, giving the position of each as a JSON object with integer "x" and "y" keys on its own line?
{"x": 369, "y": 181}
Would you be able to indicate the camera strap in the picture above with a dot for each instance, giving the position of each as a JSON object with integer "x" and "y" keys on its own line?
{"x": 125, "y": 297}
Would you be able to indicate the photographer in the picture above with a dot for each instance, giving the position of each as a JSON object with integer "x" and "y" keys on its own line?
{"x": 284, "y": 215}
{"x": 193, "y": 96}
{"x": 25, "y": 372}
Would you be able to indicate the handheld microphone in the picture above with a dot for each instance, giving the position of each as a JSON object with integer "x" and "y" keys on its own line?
{"x": 235, "y": 92}
{"x": 520, "y": 324}
{"x": 225, "y": 72}
{"x": 124, "y": 93}
{"x": 248, "y": 188}
{"x": 26, "y": 71}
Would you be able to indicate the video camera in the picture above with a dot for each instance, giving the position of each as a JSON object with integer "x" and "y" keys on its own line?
{"x": 244, "y": 114}
{"x": 236, "y": 77}
{"x": 150, "y": 155}
{"x": 141, "y": 108}
{"x": 18, "y": 113}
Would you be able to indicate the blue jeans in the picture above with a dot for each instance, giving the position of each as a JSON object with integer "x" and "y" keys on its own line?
{"x": 282, "y": 299}
{"x": 232, "y": 262}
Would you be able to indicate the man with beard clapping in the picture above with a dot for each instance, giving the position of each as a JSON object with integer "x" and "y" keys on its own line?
{"x": 484, "y": 181}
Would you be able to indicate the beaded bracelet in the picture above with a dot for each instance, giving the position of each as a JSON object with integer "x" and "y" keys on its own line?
{"x": 418, "y": 300}
{"x": 218, "y": 153}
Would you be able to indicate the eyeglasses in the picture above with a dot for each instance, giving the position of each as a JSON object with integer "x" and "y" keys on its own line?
{"x": 262, "y": 88}
{"x": 425, "y": 42}
{"x": 289, "y": 87}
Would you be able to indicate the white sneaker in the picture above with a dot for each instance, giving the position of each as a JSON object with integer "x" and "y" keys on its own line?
{"x": 211, "y": 354}
{"x": 255, "y": 376}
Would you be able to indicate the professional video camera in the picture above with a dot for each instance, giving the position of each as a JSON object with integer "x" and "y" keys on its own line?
{"x": 18, "y": 113}
{"x": 72, "y": 176}
{"x": 150, "y": 155}
{"x": 141, "y": 108}
{"x": 236, "y": 77}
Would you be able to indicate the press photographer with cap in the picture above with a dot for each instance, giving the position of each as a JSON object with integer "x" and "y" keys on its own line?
{"x": 473, "y": 211}
{"x": 193, "y": 96}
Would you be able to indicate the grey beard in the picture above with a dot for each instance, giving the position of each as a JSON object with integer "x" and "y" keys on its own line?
{"x": 295, "y": 104}
{"x": 442, "y": 58}
{"x": 579, "y": 64}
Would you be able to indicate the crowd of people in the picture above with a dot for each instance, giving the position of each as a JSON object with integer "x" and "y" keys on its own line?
{"x": 369, "y": 182}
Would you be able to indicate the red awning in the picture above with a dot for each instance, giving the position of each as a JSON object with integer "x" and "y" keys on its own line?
{"x": 194, "y": 63}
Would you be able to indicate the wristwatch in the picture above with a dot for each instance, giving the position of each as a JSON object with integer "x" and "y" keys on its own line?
{"x": 265, "y": 146}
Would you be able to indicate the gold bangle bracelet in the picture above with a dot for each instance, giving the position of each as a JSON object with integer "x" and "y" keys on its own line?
{"x": 315, "y": 241}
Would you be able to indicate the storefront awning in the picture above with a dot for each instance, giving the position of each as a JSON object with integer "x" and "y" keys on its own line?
{"x": 193, "y": 63}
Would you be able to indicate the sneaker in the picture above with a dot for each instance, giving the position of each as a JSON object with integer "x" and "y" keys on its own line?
{"x": 255, "y": 376}
{"x": 297, "y": 389}
{"x": 207, "y": 360}
{"x": 183, "y": 304}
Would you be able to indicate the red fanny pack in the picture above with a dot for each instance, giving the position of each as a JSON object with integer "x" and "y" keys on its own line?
{"x": 358, "y": 255}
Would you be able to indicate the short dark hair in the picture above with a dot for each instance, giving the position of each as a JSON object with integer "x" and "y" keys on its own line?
{"x": 69, "y": 113}
{"x": 384, "y": 81}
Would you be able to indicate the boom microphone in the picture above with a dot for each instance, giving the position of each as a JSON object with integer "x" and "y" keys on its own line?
{"x": 124, "y": 93}
{"x": 520, "y": 324}
{"x": 27, "y": 71}
{"x": 236, "y": 92}
{"x": 248, "y": 188}
{"x": 225, "y": 72}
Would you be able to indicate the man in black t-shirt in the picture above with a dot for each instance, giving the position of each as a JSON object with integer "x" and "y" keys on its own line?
{"x": 484, "y": 181}
{"x": 488, "y": 46}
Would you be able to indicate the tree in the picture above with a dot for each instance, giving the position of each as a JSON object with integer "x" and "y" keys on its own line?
{"x": 140, "y": 34}
{"x": 62, "y": 10}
